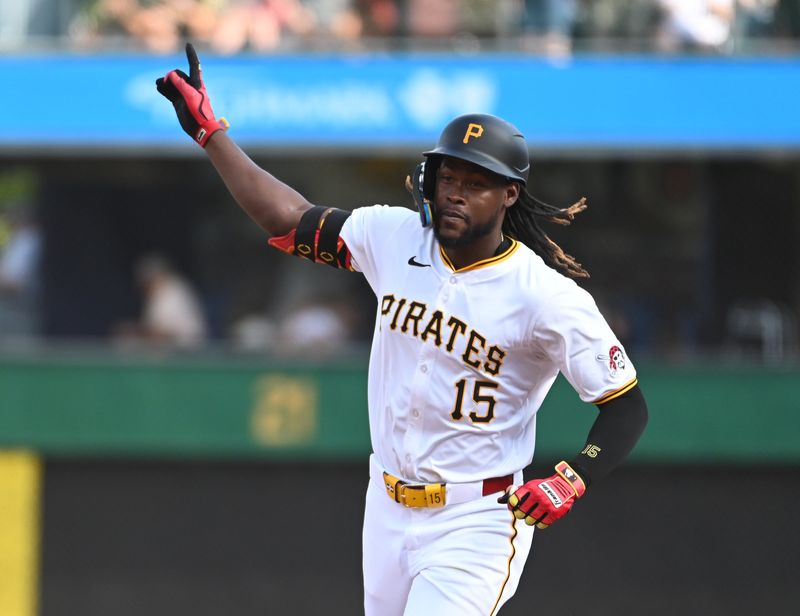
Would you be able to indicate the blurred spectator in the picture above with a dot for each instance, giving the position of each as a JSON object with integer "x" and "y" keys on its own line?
{"x": 171, "y": 313}
{"x": 316, "y": 328}
{"x": 337, "y": 20}
{"x": 157, "y": 25}
{"x": 19, "y": 275}
{"x": 255, "y": 333}
{"x": 260, "y": 25}
{"x": 381, "y": 18}
{"x": 548, "y": 26}
{"x": 702, "y": 25}
{"x": 551, "y": 27}
{"x": 433, "y": 18}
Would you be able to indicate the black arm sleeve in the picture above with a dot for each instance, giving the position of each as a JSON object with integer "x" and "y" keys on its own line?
{"x": 613, "y": 435}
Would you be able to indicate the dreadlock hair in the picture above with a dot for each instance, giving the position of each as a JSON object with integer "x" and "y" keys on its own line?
{"x": 522, "y": 224}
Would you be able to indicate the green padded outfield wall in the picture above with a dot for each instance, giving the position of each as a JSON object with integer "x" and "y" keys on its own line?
{"x": 220, "y": 406}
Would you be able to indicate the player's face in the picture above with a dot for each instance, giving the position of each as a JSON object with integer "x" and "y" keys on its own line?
{"x": 470, "y": 203}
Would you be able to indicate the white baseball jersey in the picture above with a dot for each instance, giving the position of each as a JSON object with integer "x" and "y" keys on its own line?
{"x": 462, "y": 359}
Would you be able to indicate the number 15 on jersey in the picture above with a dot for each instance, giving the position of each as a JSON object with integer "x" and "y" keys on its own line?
{"x": 480, "y": 395}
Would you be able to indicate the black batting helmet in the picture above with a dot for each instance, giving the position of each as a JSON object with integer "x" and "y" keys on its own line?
{"x": 485, "y": 140}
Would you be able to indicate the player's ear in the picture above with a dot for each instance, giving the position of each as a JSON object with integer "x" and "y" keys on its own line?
{"x": 511, "y": 194}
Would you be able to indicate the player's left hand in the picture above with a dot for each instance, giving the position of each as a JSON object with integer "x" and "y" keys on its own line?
{"x": 543, "y": 501}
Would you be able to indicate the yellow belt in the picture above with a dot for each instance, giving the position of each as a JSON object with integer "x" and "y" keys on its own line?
{"x": 414, "y": 495}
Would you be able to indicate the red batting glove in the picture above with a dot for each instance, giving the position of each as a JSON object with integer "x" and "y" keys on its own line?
{"x": 543, "y": 501}
{"x": 187, "y": 93}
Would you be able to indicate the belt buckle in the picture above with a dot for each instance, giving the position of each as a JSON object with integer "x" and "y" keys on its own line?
{"x": 415, "y": 496}
{"x": 429, "y": 495}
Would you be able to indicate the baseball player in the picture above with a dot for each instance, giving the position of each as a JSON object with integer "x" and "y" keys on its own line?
{"x": 477, "y": 314}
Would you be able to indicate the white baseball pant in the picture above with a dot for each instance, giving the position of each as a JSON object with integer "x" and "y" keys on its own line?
{"x": 463, "y": 559}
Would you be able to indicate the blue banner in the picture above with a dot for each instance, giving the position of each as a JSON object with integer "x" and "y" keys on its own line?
{"x": 593, "y": 102}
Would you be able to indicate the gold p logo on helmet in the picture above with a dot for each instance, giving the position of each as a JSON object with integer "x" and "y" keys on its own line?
{"x": 473, "y": 130}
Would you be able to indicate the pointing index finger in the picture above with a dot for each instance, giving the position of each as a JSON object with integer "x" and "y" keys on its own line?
{"x": 195, "y": 77}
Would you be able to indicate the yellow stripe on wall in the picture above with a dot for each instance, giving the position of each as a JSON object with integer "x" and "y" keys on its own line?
{"x": 20, "y": 474}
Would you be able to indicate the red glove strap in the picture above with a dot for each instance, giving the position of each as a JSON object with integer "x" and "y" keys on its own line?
{"x": 569, "y": 475}
{"x": 208, "y": 128}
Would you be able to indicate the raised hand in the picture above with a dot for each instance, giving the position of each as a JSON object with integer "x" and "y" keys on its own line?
{"x": 188, "y": 95}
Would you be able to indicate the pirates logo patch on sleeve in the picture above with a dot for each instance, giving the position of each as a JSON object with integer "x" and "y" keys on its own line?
{"x": 615, "y": 359}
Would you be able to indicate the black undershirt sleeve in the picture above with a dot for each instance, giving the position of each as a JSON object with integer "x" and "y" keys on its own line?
{"x": 613, "y": 435}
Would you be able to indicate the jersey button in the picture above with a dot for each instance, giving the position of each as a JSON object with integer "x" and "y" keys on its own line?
{"x": 423, "y": 368}
{"x": 453, "y": 280}
{"x": 415, "y": 413}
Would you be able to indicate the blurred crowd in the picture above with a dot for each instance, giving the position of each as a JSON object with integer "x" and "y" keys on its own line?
{"x": 172, "y": 309}
{"x": 553, "y": 27}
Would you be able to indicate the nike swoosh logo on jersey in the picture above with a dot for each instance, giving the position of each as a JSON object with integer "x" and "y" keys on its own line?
{"x": 415, "y": 263}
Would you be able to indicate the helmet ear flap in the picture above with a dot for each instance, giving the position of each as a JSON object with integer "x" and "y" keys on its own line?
{"x": 424, "y": 205}
{"x": 429, "y": 181}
